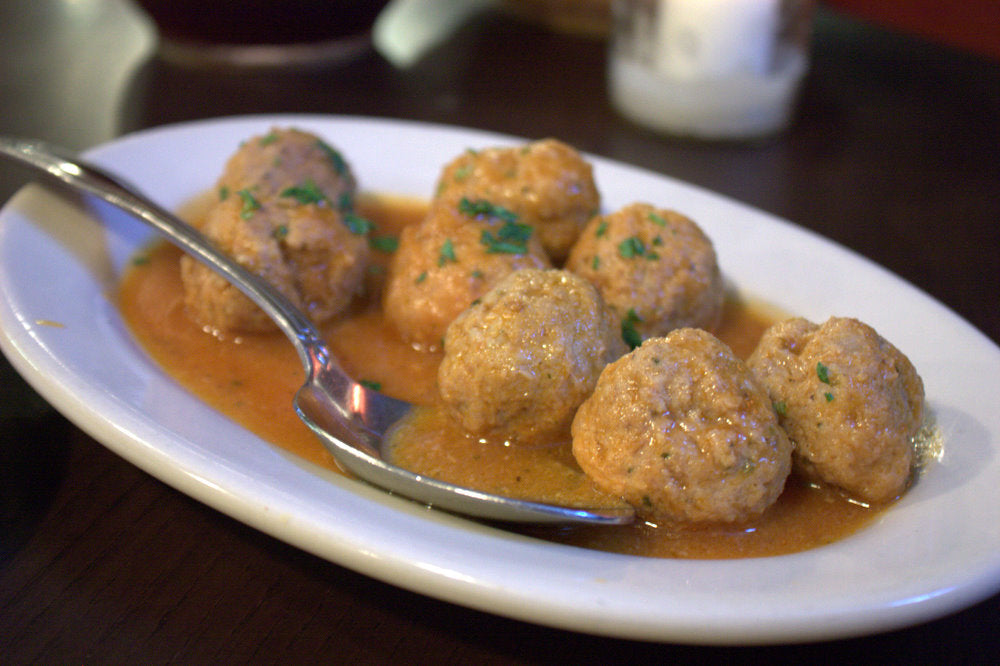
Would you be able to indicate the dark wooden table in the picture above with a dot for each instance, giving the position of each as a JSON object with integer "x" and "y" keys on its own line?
{"x": 895, "y": 153}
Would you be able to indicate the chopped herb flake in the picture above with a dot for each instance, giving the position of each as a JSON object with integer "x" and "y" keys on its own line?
{"x": 332, "y": 154}
{"x": 223, "y": 193}
{"x": 280, "y": 232}
{"x": 828, "y": 396}
{"x": 781, "y": 407}
{"x": 250, "y": 203}
{"x": 420, "y": 278}
{"x": 511, "y": 238}
{"x": 595, "y": 263}
{"x": 629, "y": 333}
{"x": 306, "y": 193}
{"x": 447, "y": 253}
{"x": 268, "y": 139}
{"x": 657, "y": 219}
{"x": 602, "y": 228}
{"x": 823, "y": 373}
{"x": 631, "y": 247}
{"x": 387, "y": 244}
{"x": 367, "y": 383}
{"x": 482, "y": 207}
{"x": 357, "y": 224}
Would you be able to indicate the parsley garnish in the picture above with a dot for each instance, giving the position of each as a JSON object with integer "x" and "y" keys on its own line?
{"x": 657, "y": 219}
{"x": 483, "y": 207}
{"x": 447, "y": 253}
{"x": 595, "y": 263}
{"x": 631, "y": 247}
{"x": 250, "y": 204}
{"x": 223, "y": 193}
{"x": 387, "y": 244}
{"x": 602, "y": 228}
{"x": 280, "y": 232}
{"x": 828, "y": 396}
{"x": 336, "y": 159}
{"x": 823, "y": 373}
{"x": 357, "y": 224}
{"x": 511, "y": 238}
{"x": 367, "y": 383}
{"x": 420, "y": 278}
{"x": 629, "y": 334}
{"x": 781, "y": 407}
{"x": 306, "y": 193}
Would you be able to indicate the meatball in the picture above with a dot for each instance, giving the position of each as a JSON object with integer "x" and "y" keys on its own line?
{"x": 681, "y": 430}
{"x": 849, "y": 400}
{"x": 290, "y": 163}
{"x": 547, "y": 183}
{"x": 519, "y": 361}
{"x": 654, "y": 267}
{"x": 308, "y": 252}
{"x": 451, "y": 258}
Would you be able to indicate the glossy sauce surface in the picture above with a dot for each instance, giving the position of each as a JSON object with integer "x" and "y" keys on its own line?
{"x": 252, "y": 378}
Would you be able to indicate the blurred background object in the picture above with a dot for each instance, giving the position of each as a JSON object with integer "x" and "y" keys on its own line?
{"x": 971, "y": 25}
{"x": 580, "y": 17}
{"x": 406, "y": 29}
{"x": 709, "y": 69}
{"x": 262, "y": 32}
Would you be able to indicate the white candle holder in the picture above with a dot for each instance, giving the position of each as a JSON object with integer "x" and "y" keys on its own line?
{"x": 709, "y": 69}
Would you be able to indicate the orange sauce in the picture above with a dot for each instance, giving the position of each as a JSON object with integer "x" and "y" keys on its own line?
{"x": 251, "y": 378}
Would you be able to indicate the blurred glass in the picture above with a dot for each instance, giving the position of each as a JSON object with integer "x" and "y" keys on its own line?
{"x": 262, "y": 32}
{"x": 709, "y": 69}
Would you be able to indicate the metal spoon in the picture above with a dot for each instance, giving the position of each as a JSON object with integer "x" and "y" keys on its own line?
{"x": 350, "y": 419}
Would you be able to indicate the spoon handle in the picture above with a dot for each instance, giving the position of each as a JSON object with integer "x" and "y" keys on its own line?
{"x": 330, "y": 400}
{"x": 75, "y": 172}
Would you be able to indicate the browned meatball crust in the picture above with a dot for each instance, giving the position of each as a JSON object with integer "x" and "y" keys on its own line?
{"x": 308, "y": 252}
{"x": 849, "y": 400}
{"x": 290, "y": 162}
{"x": 451, "y": 258}
{"x": 547, "y": 183}
{"x": 519, "y": 361}
{"x": 654, "y": 267}
{"x": 681, "y": 430}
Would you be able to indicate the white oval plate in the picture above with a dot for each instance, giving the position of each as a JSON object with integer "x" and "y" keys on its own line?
{"x": 938, "y": 550}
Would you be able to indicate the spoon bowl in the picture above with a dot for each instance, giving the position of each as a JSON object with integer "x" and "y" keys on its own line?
{"x": 349, "y": 418}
